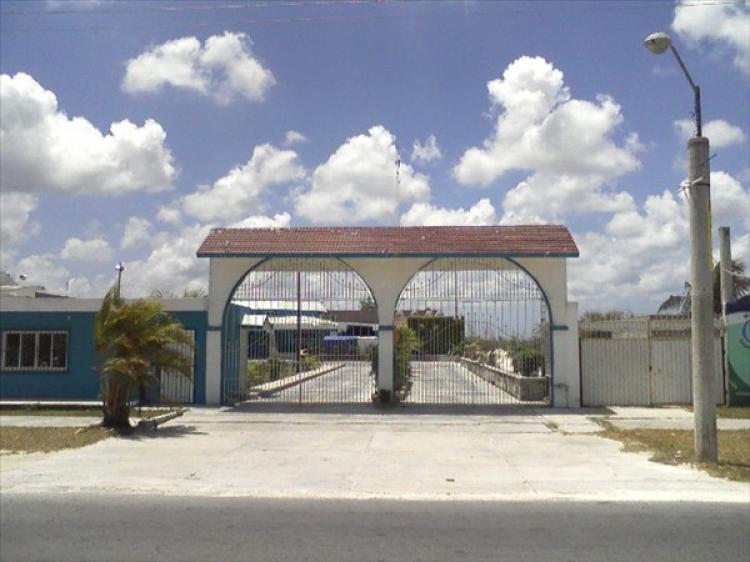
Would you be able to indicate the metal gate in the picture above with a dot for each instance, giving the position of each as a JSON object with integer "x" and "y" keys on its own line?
{"x": 472, "y": 331}
{"x": 300, "y": 330}
{"x": 175, "y": 388}
{"x": 641, "y": 361}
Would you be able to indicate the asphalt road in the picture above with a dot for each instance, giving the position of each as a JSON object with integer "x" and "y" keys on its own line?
{"x": 82, "y": 528}
{"x": 447, "y": 382}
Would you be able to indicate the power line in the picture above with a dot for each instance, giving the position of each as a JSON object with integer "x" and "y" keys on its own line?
{"x": 538, "y": 7}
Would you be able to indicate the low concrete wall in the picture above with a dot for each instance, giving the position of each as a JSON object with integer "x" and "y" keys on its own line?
{"x": 527, "y": 389}
{"x": 268, "y": 389}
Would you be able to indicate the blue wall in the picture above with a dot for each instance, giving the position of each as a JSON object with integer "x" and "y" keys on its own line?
{"x": 80, "y": 381}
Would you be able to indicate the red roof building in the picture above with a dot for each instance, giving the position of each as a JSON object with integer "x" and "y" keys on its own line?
{"x": 513, "y": 241}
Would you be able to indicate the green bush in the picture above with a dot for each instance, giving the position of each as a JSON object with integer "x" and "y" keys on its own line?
{"x": 527, "y": 361}
{"x": 257, "y": 372}
{"x": 310, "y": 363}
{"x": 406, "y": 344}
{"x": 437, "y": 335}
{"x": 260, "y": 372}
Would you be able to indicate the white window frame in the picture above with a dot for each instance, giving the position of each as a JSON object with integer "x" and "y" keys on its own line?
{"x": 37, "y": 363}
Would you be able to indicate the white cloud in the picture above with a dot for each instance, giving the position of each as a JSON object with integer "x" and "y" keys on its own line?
{"x": 642, "y": 256}
{"x": 424, "y": 214}
{"x": 564, "y": 143}
{"x": 15, "y": 210}
{"x": 222, "y": 68}
{"x": 42, "y": 149}
{"x": 358, "y": 182}
{"x": 280, "y": 220}
{"x": 45, "y": 271}
{"x": 719, "y": 132}
{"x": 726, "y": 26}
{"x": 639, "y": 259}
{"x": 730, "y": 203}
{"x": 136, "y": 233}
{"x": 169, "y": 215}
{"x": 426, "y": 152}
{"x": 741, "y": 249}
{"x": 171, "y": 266}
{"x": 236, "y": 194}
{"x": 93, "y": 250}
{"x": 294, "y": 137}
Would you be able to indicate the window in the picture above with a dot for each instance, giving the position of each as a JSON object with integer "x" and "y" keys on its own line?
{"x": 34, "y": 351}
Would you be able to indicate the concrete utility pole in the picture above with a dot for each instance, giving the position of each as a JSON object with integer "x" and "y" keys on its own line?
{"x": 727, "y": 290}
{"x": 702, "y": 300}
{"x": 701, "y": 270}
{"x": 725, "y": 258}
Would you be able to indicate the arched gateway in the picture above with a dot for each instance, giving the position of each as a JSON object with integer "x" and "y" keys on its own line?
{"x": 488, "y": 302}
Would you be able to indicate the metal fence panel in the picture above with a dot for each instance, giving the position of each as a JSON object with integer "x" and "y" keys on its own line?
{"x": 175, "y": 388}
{"x": 304, "y": 330}
{"x": 472, "y": 331}
{"x": 641, "y": 361}
{"x": 614, "y": 363}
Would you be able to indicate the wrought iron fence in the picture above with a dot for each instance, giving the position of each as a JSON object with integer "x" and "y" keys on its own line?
{"x": 300, "y": 330}
{"x": 472, "y": 331}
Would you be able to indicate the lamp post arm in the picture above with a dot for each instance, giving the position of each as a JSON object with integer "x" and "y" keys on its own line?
{"x": 696, "y": 92}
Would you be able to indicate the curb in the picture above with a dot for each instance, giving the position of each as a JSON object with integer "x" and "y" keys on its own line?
{"x": 272, "y": 391}
{"x": 155, "y": 422}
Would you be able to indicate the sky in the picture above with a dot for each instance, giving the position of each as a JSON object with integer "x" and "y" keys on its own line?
{"x": 129, "y": 129}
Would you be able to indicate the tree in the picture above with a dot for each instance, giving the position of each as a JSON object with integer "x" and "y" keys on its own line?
{"x": 196, "y": 292}
{"x": 134, "y": 340}
{"x": 594, "y": 315}
{"x": 367, "y": 303}
{"x": 741, "y": 287}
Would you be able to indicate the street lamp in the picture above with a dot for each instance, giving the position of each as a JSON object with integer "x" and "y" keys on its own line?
{"x": 659, "y": 42}
{"x": 701, "y": 308}
{"x": 119, "y": 268}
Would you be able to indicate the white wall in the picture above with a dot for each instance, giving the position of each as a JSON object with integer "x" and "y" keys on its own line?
{"x": 386, "y": 277}
{"x": 52, "y": 304}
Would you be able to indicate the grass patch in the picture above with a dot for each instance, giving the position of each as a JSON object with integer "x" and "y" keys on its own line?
{"x": 676, "y": 447}
{"x": 145, "y": 413}
{"x": 730, "y": 412}
{"x": 733, "y": 412}
{"x": 46, "y": 439}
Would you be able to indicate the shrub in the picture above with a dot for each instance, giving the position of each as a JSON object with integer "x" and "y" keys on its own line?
{"x": 527, "y": 361}
{"x": 437, "y": 335}
{"x": 405, "y": 345}
{"x": 310, "y": 363}
{"x": 472, "y": 350}
{"x": 260, "y": 372}
{"x": 257, "y": 372}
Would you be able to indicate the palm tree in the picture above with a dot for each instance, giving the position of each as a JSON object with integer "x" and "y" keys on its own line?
{"x": 134, "y": 339}
{"x": 741, "y": 287}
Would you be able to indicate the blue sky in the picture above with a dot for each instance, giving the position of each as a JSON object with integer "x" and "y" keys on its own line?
{"x": 293, "y": 113}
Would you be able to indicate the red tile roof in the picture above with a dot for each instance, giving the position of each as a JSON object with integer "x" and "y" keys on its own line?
{"x": 530, "y": 240}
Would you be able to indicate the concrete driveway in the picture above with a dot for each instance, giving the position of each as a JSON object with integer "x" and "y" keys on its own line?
{"x": 410, "y": 453}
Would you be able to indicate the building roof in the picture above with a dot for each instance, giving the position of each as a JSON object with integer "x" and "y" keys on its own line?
{"x": 527, "y": 240}
{"x": 367, "y": 316}
{"x": 280, "y": 304}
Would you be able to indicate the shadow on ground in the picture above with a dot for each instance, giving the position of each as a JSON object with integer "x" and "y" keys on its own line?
{"x": 410, "y": 409}
{"x": 166, "y": 431}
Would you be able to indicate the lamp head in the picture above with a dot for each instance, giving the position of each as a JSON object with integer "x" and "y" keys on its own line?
{"x": 658, "y": 42}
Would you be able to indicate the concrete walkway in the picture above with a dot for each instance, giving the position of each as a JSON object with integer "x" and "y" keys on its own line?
{"x": 360, "y": 453}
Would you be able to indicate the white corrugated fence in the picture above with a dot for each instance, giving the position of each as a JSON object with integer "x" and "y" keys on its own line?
{"x": 640, "y": 361}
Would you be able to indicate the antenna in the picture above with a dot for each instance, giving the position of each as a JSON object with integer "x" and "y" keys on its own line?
{"x": 397, "y": 163}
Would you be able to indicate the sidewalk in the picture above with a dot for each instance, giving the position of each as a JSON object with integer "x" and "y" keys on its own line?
{"x": 399, "y": 453}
